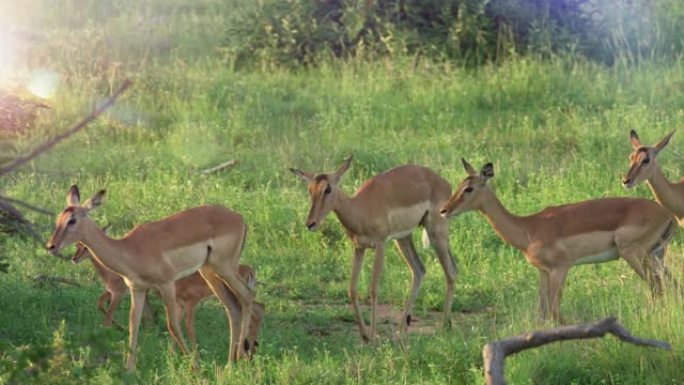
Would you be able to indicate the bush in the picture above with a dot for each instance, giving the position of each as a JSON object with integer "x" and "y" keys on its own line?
{"x": 301, "y": 32}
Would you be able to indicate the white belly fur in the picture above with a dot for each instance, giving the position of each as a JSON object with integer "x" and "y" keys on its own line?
{"x": 404, "y": 220}
{"x": 187, "y": 259}
{"x": 606, "y": 256}
{"x": 594, "y": 247}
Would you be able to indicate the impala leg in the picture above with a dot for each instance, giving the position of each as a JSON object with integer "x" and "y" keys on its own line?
{"x": 378, "y": 265}
{"x": 655, "y": 265}
{"x": 190, "y": 324}
{"x": 357, "y": 261}
{"x": 544, "y": 294}
{"x": 414, "y": 263}
{"x": 245, "y": 298}
{"x": 634, "y": 257}
{"x": 115, "y": 299}
{"x": 137, "y": 305}
{"x": 230, "y": 306}
{"x": 101, "y": 302}
{"x": 168, "y": 294}
{"x": 438, "y": 231}
{"x": 148, "y": 312}
{"x": 556, "y": 282}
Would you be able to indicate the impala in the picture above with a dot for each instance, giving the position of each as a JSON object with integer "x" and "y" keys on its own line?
{"x": 190, "y": 292}
{"x": 156, "y": 254}
{"x": 643, "y": 166}
{"x": 387, "y": 207}
{"x": 557, "y": 238}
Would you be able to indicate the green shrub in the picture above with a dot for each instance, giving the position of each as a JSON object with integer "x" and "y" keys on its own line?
{"x": 295, "y": 32}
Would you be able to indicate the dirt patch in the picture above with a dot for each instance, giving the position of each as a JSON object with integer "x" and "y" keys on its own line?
{"x": 389, "y": 319}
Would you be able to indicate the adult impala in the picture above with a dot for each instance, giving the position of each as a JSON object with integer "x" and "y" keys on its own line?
{"x": 387, "y": 207}
{"x": 190, "y": 292}
{"x": 208, "y": 239}
{"x": 557, "y": 238}
{"x": 643, "y": 166}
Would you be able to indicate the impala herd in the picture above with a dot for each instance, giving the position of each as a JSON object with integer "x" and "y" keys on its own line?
{"x": 187, "y": 257}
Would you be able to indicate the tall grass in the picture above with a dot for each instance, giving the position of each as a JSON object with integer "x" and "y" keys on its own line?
{"x": 556, "y": 130}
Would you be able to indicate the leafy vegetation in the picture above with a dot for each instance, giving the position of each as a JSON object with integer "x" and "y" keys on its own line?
{"x": 555, "y": 126}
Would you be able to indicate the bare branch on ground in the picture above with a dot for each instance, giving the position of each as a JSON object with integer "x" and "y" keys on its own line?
{"x": 494, "y": 353}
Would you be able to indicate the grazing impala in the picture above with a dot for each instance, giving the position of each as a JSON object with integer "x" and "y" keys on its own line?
{"x": 387, "y": 207}
{"x": 643, "y": 166}
{"x": 155, "y": 255}
{"x": 190, "y": 292}
{"x": 557, "y": 238}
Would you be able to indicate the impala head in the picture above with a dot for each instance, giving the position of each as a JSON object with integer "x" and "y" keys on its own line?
{"x": 642, "y": 161}
{"x": 251, "y": 344}
{"x": 322, "y": 190}
{"x": 467, "y": 195}
{"x": 70, "y": 222}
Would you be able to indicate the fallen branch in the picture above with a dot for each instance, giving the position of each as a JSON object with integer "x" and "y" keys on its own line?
{"x": 494, "y": 353}
{"x": 225, "y": 165}
{"x": 26, "y": 205}
{"x": 42, "y": 280}
{"x": 79, "y": 126}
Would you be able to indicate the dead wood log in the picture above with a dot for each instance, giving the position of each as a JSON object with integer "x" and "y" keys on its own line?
{"x": 494, "y": 353}
{"x": 221, "y": 167}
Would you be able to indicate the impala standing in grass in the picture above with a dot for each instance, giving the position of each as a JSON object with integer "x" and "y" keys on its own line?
{"x": 643, "y": 166}
{"x": 557, "y": 238}
{"x": 208, "y": 239}
{"x": 389, "y": 206}
{"x": 190, "y": 292}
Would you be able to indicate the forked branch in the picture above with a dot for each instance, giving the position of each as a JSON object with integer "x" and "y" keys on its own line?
{"x": 494, "y": 353}
{"x": 79, "y": 126}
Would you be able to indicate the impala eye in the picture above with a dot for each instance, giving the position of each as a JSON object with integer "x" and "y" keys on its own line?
{"x": 71, "y": 221}
{"x": 468, "y": 189}
{"x": 646, "y": 160}
{"x": 327, "y": 190}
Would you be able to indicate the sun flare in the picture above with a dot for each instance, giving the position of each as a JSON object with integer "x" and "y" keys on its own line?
{"x": 43, "y": 83}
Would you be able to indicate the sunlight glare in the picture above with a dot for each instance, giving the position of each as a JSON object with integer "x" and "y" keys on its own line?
{"x": 43, "y": 83}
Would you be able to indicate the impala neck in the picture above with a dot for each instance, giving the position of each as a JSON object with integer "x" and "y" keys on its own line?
{"x": 511, "y": 228}
{"x": 105, "y": 250}
{"x": 665, "y": 192}
{"x": 348, "y": 212}
{"x": 99, "y": 268}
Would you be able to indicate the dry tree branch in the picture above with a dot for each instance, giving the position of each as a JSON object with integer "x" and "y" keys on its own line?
{"x": 26, "y": 205}
{"x": 223, "y": 166}
{"x": 52, "y": 142}
{"x": 42, "y": 280}
{"x": 494, "y": 353}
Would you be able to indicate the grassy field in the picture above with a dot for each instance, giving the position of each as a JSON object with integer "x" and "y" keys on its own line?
{"x": 557, "y": 132}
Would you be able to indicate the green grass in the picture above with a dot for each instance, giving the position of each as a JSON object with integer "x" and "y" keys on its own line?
{"x": 557, "y": 132}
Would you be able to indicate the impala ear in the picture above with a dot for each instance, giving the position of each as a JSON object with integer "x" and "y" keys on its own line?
{"x": 487, "y": 171}
{"x": 663, "y": 142}
{"x": 634, "y": 139}
{"x": 94, "y": 201}
{"x": 73, "y": 196}
{"x": 307, "y": 176}
{"x": 343, "y": 167}
{"x": 469, "y": 169}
